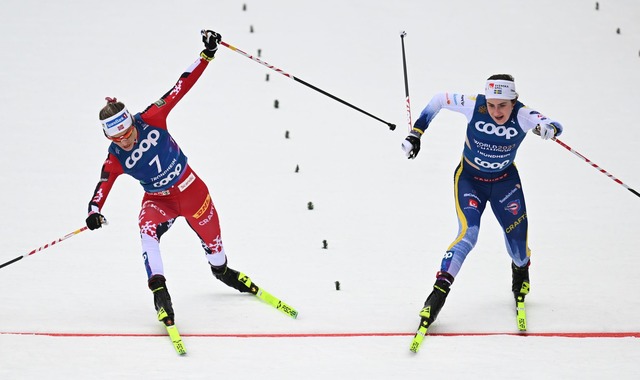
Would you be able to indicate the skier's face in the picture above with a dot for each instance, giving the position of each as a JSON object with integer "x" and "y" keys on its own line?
{"x": 500, "y": 109}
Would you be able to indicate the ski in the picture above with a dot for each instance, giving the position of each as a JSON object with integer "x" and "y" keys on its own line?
{"x": 172, "y": 330}
{"x": 268, "y": 297}
{"x": 521, "y": 313}
{"x": 277, "y": 303}
{"x": 176, "y": 339}
{"x": 425, "y": 317}
{"x": 419, "y": 337}
{"x": 425, "y": 314}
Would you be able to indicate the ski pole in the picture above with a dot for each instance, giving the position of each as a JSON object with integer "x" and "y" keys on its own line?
{"x": 65, "y": 237}
{"x": 406, "y": 82}
{"x": 594, "y": 165}
{"x": 391, "y": 126}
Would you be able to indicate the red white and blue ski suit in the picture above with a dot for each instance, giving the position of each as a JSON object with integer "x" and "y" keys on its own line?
{"x": 172, "y": 188}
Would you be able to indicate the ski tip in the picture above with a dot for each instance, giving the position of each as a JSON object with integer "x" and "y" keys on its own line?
{"x": 415, "y": 347}
{"x": 419, "y": 336}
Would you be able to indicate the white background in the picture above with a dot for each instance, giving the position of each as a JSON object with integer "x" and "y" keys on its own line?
{"x": 387, "y": 220}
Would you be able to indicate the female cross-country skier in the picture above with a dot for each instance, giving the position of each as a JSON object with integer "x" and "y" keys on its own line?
{"x": 142, "y": 147}
{"x": 497, "y": 124}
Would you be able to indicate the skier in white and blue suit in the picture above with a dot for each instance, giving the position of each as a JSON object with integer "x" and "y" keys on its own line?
{"x": 497, "y": 124}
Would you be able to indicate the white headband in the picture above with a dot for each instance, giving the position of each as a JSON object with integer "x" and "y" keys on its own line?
{"x": 117, "y": 123}
{"x": 500, "y": 89}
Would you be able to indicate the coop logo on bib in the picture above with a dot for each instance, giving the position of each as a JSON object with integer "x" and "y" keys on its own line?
{"x": 491, "y": 165}
{"x": 492, "y": 129}
{"x": 145, "y": 145}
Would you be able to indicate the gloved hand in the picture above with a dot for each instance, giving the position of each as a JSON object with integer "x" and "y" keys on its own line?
{"x": 95, "y": 220}
{"x": 211, "y": 40}
{"x": 411, "y": 145}
{"x": 545, "y": 131}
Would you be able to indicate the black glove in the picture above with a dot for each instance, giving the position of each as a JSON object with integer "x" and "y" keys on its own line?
{"x": 95, "y": 221}
{"x": 411, "y": 145}
{"x": 211, "y": 40}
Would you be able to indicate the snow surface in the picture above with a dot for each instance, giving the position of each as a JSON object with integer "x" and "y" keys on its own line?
{"x": 387, "y": 220}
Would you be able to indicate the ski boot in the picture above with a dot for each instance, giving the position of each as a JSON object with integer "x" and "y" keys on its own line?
{"x": 520, "y": 281}
{"x": 234, "y": 279}
{"x": 162, "y": 299}
{"x": 436, "y": 299}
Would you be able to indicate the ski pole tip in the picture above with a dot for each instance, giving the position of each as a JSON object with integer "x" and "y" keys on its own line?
{"x": 391, "y": 126}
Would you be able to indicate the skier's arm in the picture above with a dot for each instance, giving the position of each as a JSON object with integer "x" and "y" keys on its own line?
{"x": 111, "y": 169}
{"x": 464, "y": 104}
{"x": 448, "y": 100}
{"x": 529, "y": 119}
{"x": 156, "y": 114}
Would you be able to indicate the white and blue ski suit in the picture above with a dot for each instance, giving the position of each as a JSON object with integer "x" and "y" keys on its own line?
{"x": 487, "y": 173}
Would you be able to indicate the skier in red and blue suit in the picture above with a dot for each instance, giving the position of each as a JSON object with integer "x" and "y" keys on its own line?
{"x": 497, "y": 125}
{"x": 142, "y": 147}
